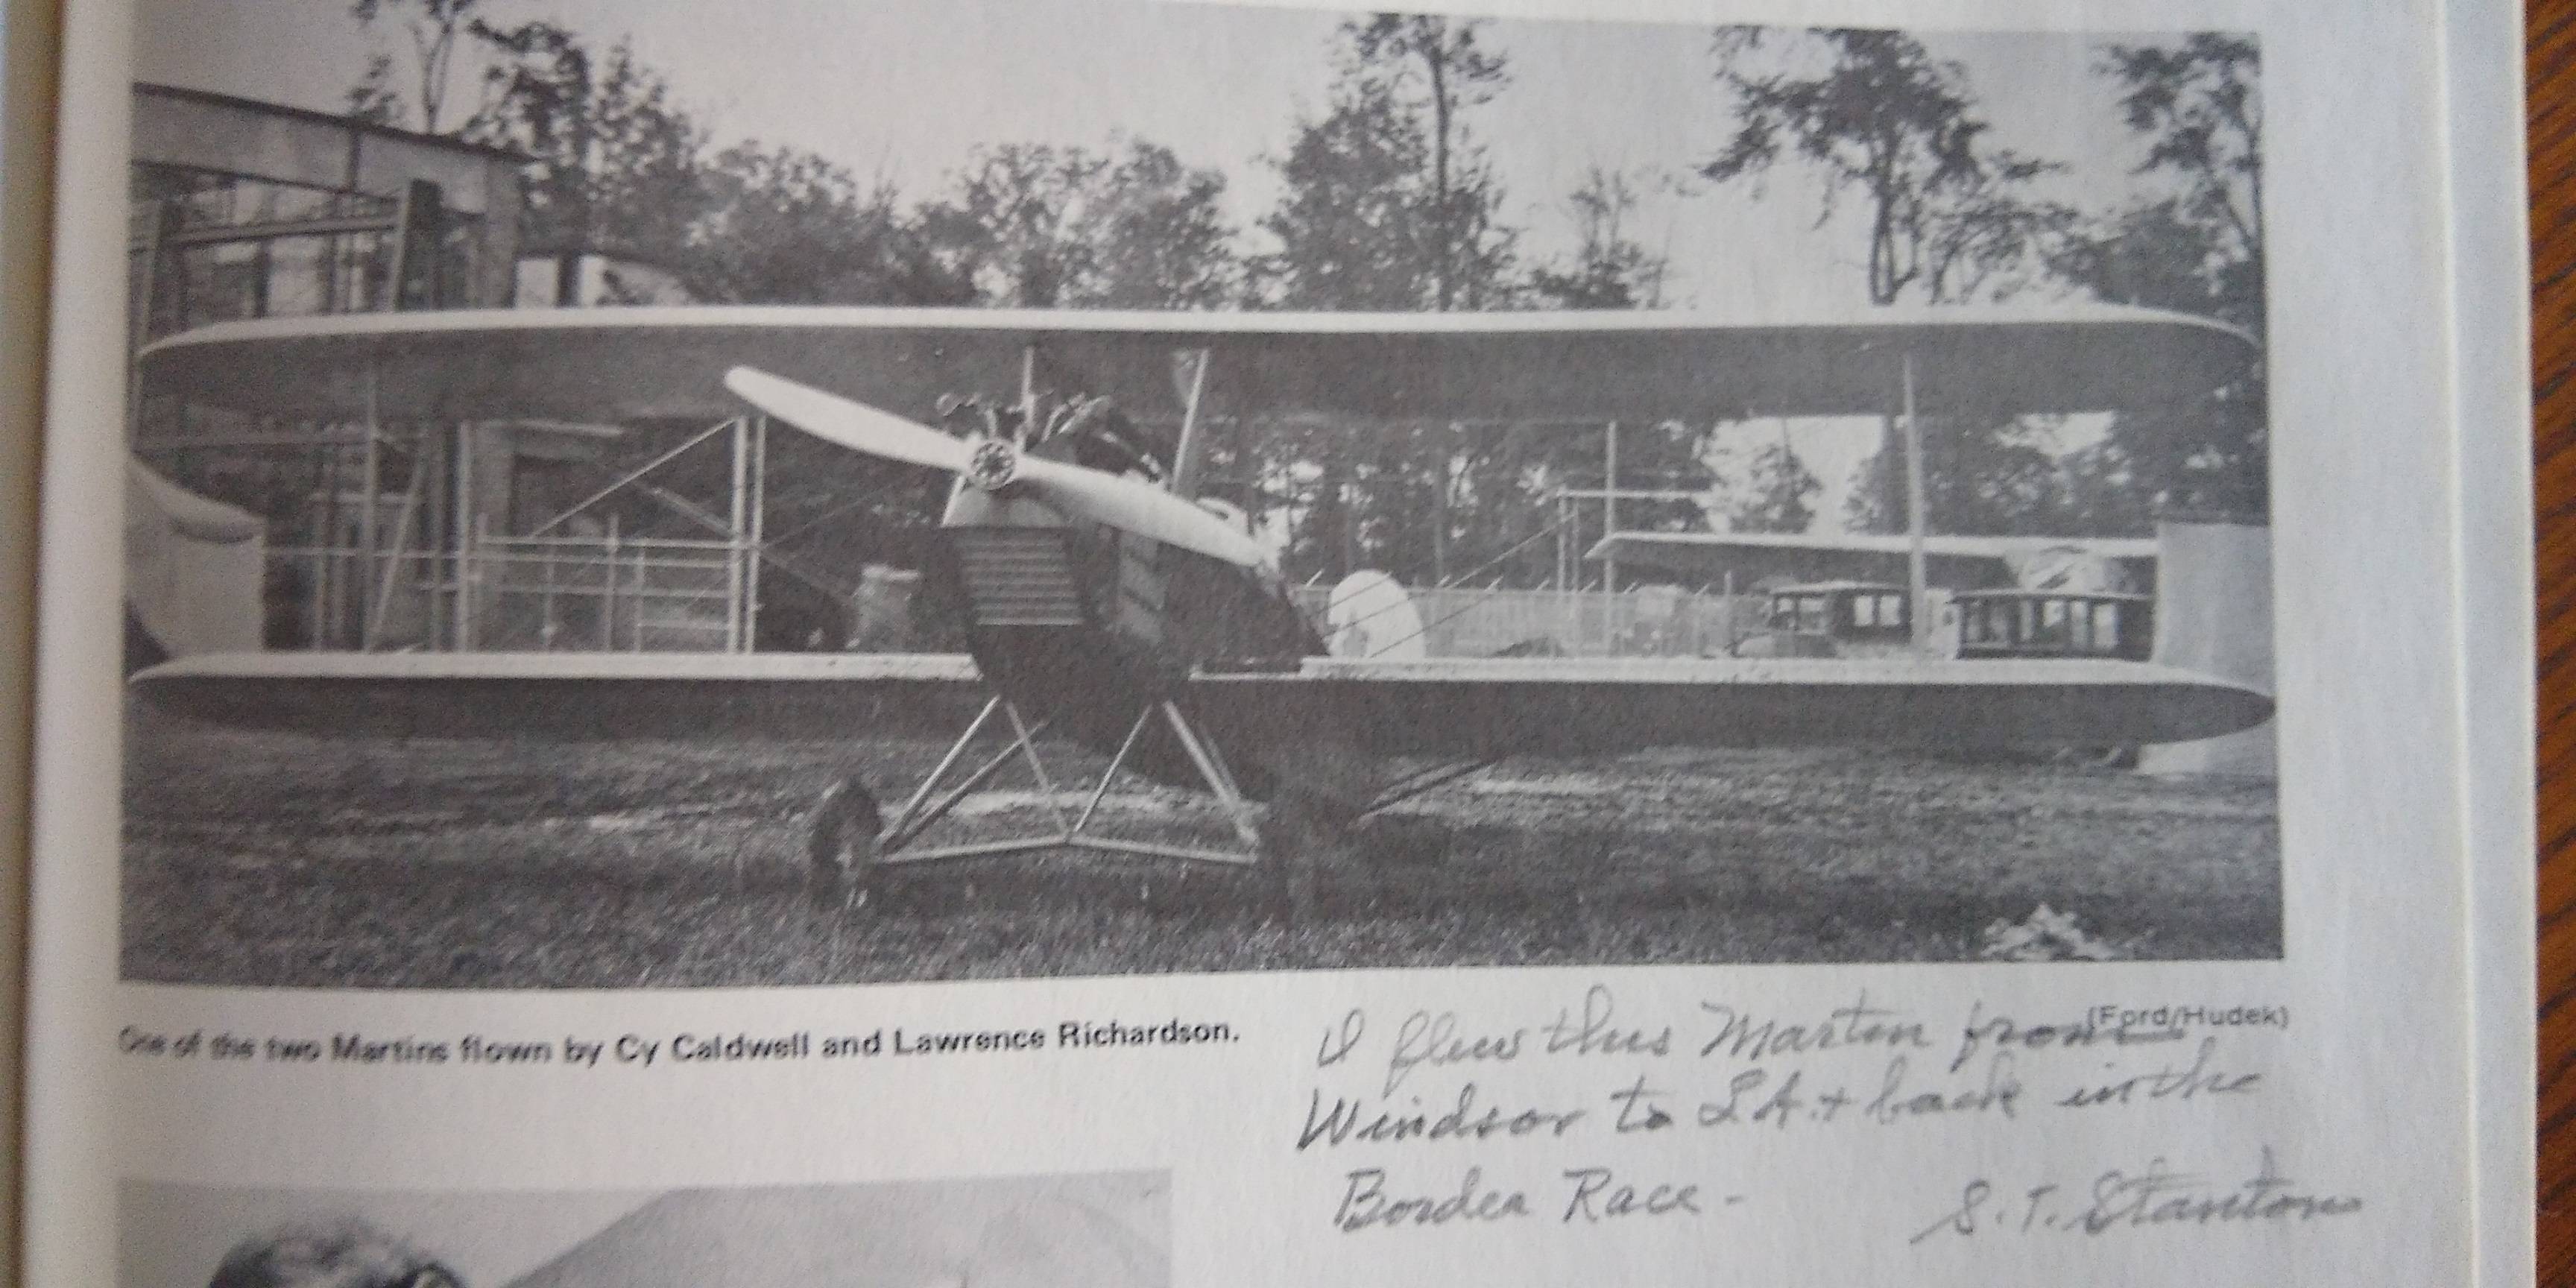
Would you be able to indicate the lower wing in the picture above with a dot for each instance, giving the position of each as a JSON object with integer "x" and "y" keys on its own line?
{"x": 1475, "y": 708}
{"x": 1481, "y": 708}
{"x": 560, "y": 695}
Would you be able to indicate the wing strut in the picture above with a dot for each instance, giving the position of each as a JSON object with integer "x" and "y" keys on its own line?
{"x": 1432, "y": 779}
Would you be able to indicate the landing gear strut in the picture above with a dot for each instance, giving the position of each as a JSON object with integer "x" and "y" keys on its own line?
{"x": 851, "y": 845}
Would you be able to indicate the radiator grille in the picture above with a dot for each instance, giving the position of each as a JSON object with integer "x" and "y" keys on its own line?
{"x": 1018, "y": 577}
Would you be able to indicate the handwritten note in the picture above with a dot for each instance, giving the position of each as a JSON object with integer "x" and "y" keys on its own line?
{"x": 1423, "y": 1106}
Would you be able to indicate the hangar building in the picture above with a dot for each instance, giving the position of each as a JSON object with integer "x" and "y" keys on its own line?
{"x": 250, "y": 533}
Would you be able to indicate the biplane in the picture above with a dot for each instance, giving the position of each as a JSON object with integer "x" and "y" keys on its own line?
{"x": 1104, "y": 604}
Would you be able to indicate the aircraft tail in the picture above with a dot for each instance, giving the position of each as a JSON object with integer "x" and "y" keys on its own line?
{"x": 194, "y": 568}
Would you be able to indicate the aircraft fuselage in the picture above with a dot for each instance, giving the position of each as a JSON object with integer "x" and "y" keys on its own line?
{"x": 1085, "y": 626}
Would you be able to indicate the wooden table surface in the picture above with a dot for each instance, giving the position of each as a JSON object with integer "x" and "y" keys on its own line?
{"x": 2550, "y": 62}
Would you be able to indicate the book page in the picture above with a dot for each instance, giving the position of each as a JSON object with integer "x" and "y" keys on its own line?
{"x": 1141, "y": 642}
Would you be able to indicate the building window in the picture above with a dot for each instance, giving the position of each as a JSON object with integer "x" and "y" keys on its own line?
{"x": 300, "y": 271}
{"x": 2052, "y": 624}
{"x": 217, "y": 247}
{"x": 221, "y": 282}
{"x": 2106, "y": 628}
{"x": 459, "y": 236}
{"x": 209, "y": 200}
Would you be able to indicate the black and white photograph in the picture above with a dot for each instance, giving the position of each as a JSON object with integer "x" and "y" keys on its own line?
{"x": 1106, "y": 1230}
{"x": 657, "y": 495}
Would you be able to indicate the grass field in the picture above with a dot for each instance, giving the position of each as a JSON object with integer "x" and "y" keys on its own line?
{"x": 269, "y": 859}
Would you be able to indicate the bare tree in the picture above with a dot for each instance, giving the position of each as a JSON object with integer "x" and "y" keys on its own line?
{"x": 1611, "y": 269}
{"x": 1457, "y": 74}
{"x": 618, "y": 167}
{"x": 435, "y": 28}
{"x": 2198, "y": 104}
{"x": 372, "y": 99}
{"x": 1885, "y": 119}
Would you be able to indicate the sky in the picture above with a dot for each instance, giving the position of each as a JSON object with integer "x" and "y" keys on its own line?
{"x": 904, "y": 90}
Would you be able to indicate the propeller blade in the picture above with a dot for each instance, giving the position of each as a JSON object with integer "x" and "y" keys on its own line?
{"x": 1126, "y": 504}
{"x": 1132, "y": 505}
{"x": 853, "y": 425}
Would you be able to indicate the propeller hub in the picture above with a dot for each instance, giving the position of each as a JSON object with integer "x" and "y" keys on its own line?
{"x": 993, "y": 465}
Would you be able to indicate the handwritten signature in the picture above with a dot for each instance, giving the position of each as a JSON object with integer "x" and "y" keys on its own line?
{"x": 2153, "y": 1197}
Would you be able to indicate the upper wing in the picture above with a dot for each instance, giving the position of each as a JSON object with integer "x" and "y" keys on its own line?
{"x": 1490, "y": 707}
{"x": 622, "y": 365}
{"x": 558, "y": 695}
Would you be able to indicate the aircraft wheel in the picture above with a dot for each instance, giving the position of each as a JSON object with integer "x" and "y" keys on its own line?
{"x": 841, "y": 845}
